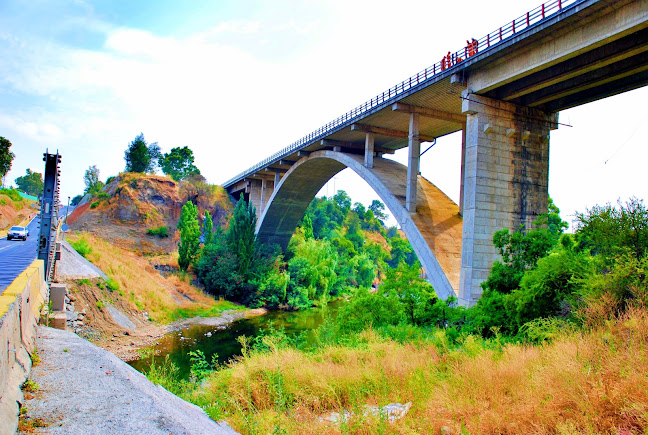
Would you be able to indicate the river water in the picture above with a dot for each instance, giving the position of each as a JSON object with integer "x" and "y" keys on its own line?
{"x": 222, "y": 341}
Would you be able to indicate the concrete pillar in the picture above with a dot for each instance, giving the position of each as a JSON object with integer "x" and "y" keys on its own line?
{"x": 263, "y": 199}
{"x": 463, "y": 168}
{"x": 414, "y": 149}
{"x": 505, "y": 184}
{"x": 277, "y": 179}
{"x": 369, "y": 150}
{"x": 255, "y": 196}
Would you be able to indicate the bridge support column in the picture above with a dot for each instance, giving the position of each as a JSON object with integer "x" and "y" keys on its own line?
{"x": 414, "y": 149}
{"x": 369, "y": 150}
{"x": 256, "y": 196}
{"x": 505, "y": 180}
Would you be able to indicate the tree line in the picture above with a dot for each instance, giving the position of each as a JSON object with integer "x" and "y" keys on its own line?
{"x": 330, "y": 254}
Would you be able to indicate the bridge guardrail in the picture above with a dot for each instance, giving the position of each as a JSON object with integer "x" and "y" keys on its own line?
{"x": 455, "y": 59}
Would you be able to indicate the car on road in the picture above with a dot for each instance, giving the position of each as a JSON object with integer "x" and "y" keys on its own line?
{"x": 17, "y": 233}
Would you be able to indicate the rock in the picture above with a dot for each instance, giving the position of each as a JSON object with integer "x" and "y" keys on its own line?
{"x": 446, "y": 430}
{"x": 71, "y": 316}
{"x": 393, "y": 412}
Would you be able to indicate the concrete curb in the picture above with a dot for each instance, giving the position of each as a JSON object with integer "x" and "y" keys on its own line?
{"x": 19, "y": 312}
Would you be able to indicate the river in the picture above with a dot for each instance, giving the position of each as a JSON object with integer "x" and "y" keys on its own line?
{"x": 221, "y": 340}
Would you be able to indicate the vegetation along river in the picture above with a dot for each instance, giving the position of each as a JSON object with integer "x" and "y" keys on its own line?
{"x": 222, "y": 340}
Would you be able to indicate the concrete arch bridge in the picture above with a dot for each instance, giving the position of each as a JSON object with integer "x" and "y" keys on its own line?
{"x": 504, "y": 93}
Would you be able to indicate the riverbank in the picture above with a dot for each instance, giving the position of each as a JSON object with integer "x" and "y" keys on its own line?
{"x": 127, "y": 344}
{"x": 79, "y": 388}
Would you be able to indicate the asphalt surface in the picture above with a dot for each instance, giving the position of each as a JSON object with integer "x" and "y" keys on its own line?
{"x": 16, "y": 255}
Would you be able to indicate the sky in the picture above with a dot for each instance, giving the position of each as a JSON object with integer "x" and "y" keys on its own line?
{"x": 238, "y": 80}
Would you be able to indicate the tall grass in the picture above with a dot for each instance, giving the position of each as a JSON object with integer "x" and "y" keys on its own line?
{"x": 164, "y": 298}
{"x": 593, "y": 382}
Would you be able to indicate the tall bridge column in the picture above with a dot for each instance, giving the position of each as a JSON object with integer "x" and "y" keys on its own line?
{"x": 414, "y": 150}
{"x": 505, "y": 180}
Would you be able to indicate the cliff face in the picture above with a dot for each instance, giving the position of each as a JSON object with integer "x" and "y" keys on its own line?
{"x": 130, "y": 204}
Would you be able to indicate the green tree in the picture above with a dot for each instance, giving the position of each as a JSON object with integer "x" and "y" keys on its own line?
{"x": 76, "y": 200}
{"x": 91, "y": 180}
{"x": 413, "y": 292}
{"x": 31, "y": 183}
{"x": 208, "y": 228}
{"x": 6, "y": 156}
{"x": 307, "y": 225}
{"x": 141, "y": 157}
{"x": 241, "y": 237}
{"x": 189, "y": 235}
{"x": 401, "y": 251}
{"x": 179, "y": 163}
{"x": 360, "y": 210}
{"x": 378, "y": 209}
{"x": 342, "y": 200}
{"x": 612, "y": 231}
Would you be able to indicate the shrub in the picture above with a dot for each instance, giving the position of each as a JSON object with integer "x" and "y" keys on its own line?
{"x": 161, "y": 232}
{"x": 112, "y": 285}
{"x": 94, "y": 204}
{"x": 82, "y": 247}
{"x": 102, "y": 195}
{"x": 12, "y": 193}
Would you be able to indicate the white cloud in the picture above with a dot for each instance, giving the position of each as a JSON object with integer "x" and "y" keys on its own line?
{"x": 235, "y": 100}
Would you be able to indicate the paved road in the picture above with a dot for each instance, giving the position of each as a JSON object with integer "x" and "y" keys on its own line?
{"x": 16, "y": 255}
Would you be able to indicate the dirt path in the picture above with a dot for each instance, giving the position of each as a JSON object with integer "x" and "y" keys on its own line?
{"x": 87, "y": 390}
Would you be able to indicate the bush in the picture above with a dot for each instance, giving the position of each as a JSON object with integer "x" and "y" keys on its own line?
{"x": 12, "y": 193}
{"x": 82, "y": 247}
{"x": 162, "y": 232}
{"x": 102, "y": 195}
{"x": 112, "y": 285}
{"x": 94, "y": 204}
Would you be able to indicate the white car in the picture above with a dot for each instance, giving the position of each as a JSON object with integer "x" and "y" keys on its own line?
{"x": 17, "y": 233}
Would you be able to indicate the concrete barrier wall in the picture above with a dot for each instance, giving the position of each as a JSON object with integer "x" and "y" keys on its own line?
{"x": 20, "y": 306}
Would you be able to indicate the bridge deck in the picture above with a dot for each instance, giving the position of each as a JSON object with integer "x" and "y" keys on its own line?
{"x": 561, "y": 54}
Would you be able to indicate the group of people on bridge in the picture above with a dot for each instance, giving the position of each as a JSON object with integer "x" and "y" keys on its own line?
{"x": 472, "y": 46}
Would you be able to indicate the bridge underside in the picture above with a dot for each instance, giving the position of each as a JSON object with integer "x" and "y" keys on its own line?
{"x": 435, "y": 230}
{"x": 505, "y": 98}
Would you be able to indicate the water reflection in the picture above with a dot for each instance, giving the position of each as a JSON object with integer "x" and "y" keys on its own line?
{"x": 221, "y": 341}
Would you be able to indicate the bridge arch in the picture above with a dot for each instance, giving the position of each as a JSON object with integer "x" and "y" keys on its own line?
{"x": 435, "y": 230}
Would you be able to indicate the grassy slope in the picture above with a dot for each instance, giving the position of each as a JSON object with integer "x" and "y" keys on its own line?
{"x": 594, "y": 382}
{"x": 164, "y": 298}
{"x": 14, "y": 209}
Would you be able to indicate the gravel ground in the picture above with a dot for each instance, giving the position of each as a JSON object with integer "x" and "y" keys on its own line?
{"x": 87, "y": 390}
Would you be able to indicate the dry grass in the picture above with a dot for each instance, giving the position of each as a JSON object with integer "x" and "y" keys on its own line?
{"x": 582, "y": 383}
{"x": 143, "y": 286}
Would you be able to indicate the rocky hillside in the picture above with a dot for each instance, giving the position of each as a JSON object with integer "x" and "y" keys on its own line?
{"x": 132, "y": 209}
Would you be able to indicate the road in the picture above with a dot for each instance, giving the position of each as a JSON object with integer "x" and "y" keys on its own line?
{"x": 16, "y": 255}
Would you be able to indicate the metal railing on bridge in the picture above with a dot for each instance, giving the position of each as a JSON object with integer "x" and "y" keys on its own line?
{"x": 448, "y": 62}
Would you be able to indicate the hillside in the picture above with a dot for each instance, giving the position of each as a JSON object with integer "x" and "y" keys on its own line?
{"x": 131, "y": 204}
{"x": 14, "y": 208}
{"x": 110, "y": 230}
